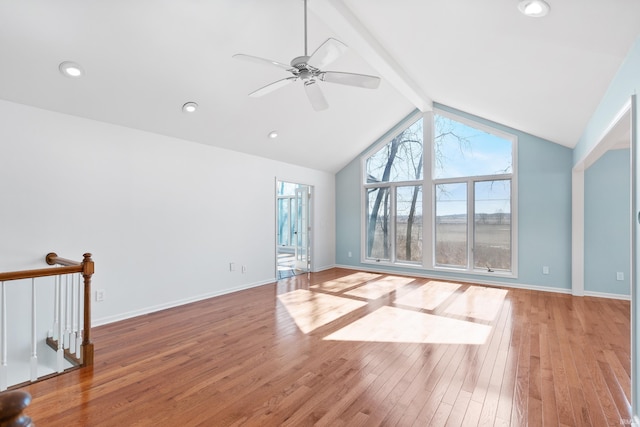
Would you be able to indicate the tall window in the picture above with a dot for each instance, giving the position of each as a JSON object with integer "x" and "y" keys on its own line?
{"x": 393, "y": 187}
{"x": 465, "y": 180}
{"x": 472, "y": 177}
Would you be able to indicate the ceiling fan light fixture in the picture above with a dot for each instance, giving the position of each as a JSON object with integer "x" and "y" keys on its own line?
{"x": 189, "y": 107}
{"x": 309, "y": 70}
{"x": 71, "y": 69}
{"x": 534, "y": 8}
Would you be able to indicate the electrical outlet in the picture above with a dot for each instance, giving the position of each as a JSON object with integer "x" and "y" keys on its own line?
{"x": 619, "y": 275}
{"x": 100, "y": 295}
{"x": 232, "y": 266}
{"x": 349, "y": 254}
{"x": 545, "y": 270}
{"x": 244, "y": 269}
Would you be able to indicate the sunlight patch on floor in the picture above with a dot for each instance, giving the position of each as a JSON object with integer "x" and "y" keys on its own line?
{"x": 311, "y": 310}
{"x": 478, "y": 302}
{"x": 346, "y": 282}
{"x": 390, "y": 324}
{"x": 428, "y": 296}
{"x": 378, "y": 288}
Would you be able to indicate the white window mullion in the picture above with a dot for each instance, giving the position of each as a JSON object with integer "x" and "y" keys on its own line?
{"x": 393, "y": 216}
{"x": 471, "y": 224}
{"x": 428, "y": 193}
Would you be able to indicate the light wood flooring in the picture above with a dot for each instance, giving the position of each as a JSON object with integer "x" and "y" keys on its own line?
{"x": 346, "y": 348}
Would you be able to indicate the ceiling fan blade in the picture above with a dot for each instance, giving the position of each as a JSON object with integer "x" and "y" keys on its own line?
{"x": 328, "y": 52}
{"x": 317, "y": 99}
{"x": 258, "y": 60}
{"x": 351, "y": 79}
{"x": 271, "y": 87}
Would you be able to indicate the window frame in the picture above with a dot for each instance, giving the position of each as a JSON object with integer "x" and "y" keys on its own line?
{"x": 404, "y": 124}
{"x": 470, "y": 182}
{"x": 428, "y": 184}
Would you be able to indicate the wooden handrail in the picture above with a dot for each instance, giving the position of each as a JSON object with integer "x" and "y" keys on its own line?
{"x": 52, "y": 259}
{"x": 87, "y": 268}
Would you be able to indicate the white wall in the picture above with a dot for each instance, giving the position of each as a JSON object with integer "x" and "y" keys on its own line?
{"x": 163, "y": 217}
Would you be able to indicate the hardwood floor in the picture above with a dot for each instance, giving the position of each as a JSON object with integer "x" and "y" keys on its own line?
{"x": 342, "y": 348}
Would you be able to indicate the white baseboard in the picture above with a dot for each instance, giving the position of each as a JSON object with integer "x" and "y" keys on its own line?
{"x": 159, "y": 307}
{"x": 429, "y": 275}
{"x": 433, "y": 275}
{"x": 326, "y": 267}
{"x": 607, "y": 295}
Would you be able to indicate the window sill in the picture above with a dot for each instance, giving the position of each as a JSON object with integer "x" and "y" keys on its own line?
{"x": 500, "y": 274}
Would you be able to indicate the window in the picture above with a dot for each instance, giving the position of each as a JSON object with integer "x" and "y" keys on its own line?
{"x": 458, "y": 196}
{"x": 472, "y": 182}
{"x": 393, "y": 188}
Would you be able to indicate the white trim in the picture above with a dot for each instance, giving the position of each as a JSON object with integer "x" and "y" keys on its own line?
{"x": 326, "y": 267}
{"x": 396, "y": 130}
{"x": 385, "y": 139}
{"x": 152, "y": 309}
{"x": 468, "y": 280}
{"x": 577, "y": 231}
{"x": 478, "y": 125}
{"x": 336, "y": 15}
{"x": 470, "y": 181}
{"x": 606, "y": 295}
{"x": 595, "y": 152}
{"x": 603, "y": 145}
{"x": 441, "y": 269}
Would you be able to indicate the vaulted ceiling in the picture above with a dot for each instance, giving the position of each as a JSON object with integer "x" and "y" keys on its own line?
{"x": 143, "y": 59}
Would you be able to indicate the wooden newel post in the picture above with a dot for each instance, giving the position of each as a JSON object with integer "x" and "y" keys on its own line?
{"x": 87, "y": 345}
{"x": 12, "y": 403}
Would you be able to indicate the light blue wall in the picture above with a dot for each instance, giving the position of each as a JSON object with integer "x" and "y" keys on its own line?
{"x": 544, "y": 214}
{"x": 624, "y": 84}
{"x": 607, "y": 226}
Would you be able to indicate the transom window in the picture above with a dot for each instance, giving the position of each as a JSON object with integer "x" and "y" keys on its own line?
{"x": 466, "y": 187}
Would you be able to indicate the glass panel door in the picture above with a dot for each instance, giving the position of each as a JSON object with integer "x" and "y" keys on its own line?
{"x": 302, "y": 251}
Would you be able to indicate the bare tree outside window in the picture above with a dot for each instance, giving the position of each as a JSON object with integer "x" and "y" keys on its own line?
{"x": 401, "y": 160}
{"x": 464, "y": 158}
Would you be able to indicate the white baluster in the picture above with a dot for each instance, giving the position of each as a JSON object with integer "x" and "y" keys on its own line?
{"x": 72, "y": 314}
{"x": 69, "y": 311}
{"x": 3, "y": 340}
{"x": 34, "y": 339}
{"x": 79, "y": 313}
{"x": 56, "y": 308}
{"x": 60, "y": 325}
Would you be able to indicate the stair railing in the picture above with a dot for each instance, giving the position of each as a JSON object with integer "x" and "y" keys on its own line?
{"x": 70, "y": 335}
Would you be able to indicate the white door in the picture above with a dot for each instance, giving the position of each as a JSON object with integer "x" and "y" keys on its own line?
{"x": 302, "y": 241}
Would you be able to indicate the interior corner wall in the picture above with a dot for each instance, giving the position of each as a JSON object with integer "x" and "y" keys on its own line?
{"x": 544, "y": 215}
{"x": 163, "y": 217}
{"x": 607, "y": 228}
{"x": 624, "y": 85}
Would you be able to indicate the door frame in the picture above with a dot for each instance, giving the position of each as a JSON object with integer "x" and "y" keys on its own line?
{"x": 310, "y": 216}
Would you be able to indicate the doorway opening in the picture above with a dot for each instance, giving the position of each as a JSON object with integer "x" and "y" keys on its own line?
{"x": 293, "y": 229}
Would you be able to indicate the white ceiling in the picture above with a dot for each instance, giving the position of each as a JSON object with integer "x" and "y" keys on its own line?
{"x": 145, "y": 58}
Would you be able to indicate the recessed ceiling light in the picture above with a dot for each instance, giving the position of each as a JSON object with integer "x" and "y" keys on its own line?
{"x": 534, "y": 8}
{"x": 189, "y": 107}
{"x": 273, "y": 134}
{"x": 71, "y": 69}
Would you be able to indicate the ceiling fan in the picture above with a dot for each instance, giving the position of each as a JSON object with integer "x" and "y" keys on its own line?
{"x": 309, "y": 69}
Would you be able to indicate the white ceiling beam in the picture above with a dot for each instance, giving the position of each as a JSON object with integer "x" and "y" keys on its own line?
{"x": 337, "y": 16}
